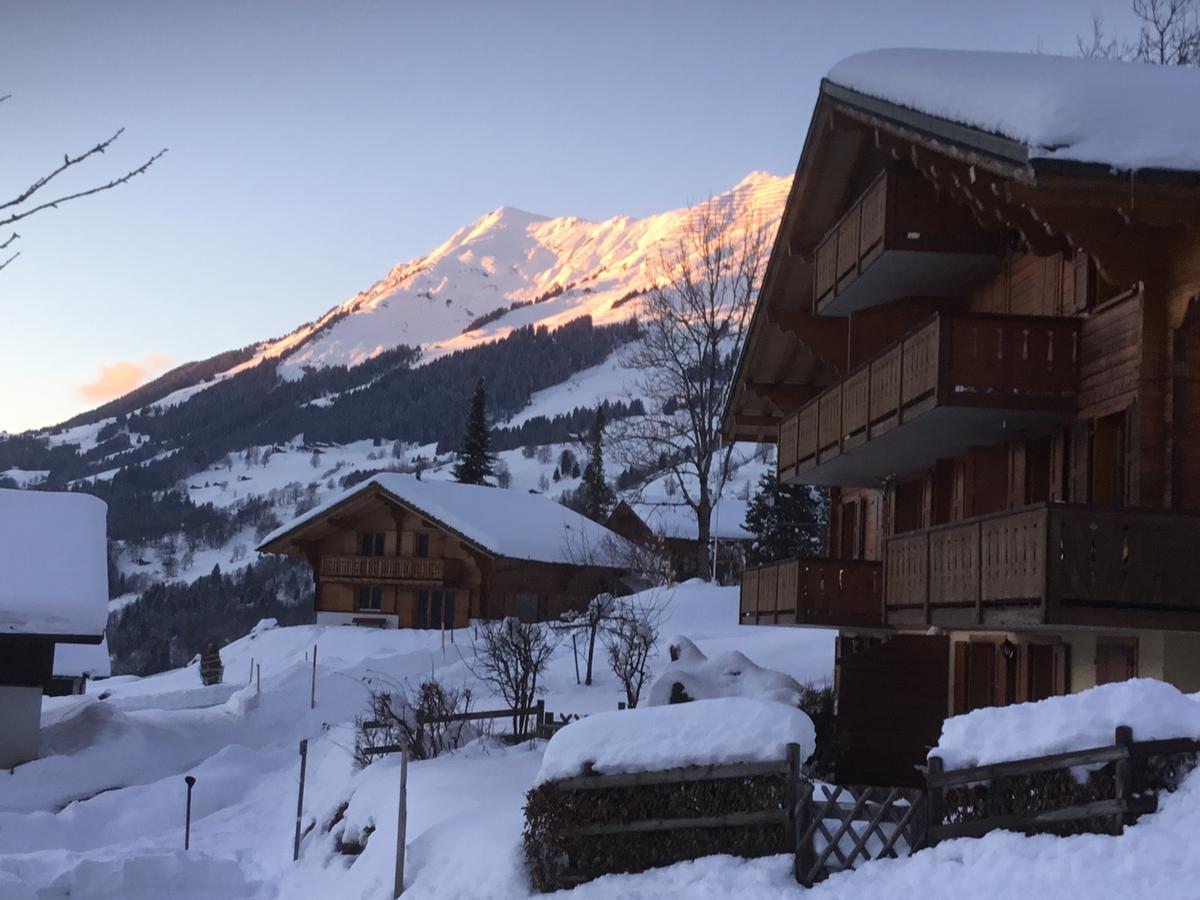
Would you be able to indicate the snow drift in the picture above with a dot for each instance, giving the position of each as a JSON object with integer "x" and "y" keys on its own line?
{"x": 731, "y": 674}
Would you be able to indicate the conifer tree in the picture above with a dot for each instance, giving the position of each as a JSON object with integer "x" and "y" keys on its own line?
{"x": 785, "y": 520}
{"x": 597, "y": 497}
{"x": 475, "y": 459}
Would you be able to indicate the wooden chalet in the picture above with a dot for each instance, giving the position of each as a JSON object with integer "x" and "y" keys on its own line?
{"x": 989, "y": 354}
{"x": 671, "y": 528}
{"x": 400, "y": 552}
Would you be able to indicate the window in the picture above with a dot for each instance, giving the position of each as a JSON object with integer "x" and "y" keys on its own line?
{"x": 435, "y": 609}
{"x": 422, "y": 545}
{"x": 371, "y": 543}
{"x": 370, "y": 598}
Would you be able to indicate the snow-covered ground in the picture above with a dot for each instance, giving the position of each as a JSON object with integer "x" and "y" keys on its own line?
{"x": 100, "y": 815}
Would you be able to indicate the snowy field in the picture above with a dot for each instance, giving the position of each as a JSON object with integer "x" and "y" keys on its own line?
{"x": 100, "y": 816}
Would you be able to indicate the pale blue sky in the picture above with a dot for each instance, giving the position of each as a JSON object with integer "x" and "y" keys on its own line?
{"x": 314, "y": 145}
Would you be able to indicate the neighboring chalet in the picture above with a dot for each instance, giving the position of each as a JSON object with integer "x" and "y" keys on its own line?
{"x": 979, "y": 329}
{"x": 671, "y": 527}
{"x": 397, "y": 551}
{"x": 53, "y": 593}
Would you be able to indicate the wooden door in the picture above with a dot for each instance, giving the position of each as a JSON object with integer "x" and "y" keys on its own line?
{"x": 891, "y": 705}
{"x": 1116, "y": 659}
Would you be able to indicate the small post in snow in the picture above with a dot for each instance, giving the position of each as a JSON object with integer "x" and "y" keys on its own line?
{"x": 258, "y": 678}
{"x": 300, "y": 798}
{"x": 190, "y": 781}
{"x": 312, "y": 697}
{"x": 251, "y": 678}
{"x": 401, "y": 824}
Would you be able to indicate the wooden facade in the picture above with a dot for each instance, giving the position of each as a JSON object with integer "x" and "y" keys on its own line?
{"x": 994, "y": 368}
{"x": 378, "y": 561}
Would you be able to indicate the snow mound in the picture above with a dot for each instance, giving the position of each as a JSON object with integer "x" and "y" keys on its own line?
{"x": 707, "y": 732}
{"x": 1153, "y": 709}
{"x": 731, "y": 674}
{"x": 38, "y": 593}
{"x": 1125, "y": 115}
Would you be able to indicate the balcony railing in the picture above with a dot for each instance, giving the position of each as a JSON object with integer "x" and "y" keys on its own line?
{"x": 899, "y": 239}
{"x": 1048, "y": 565}
{"x": 387, "y": 567}
{"x": 813, "y": 592}
{"x": 1023, "y": 369}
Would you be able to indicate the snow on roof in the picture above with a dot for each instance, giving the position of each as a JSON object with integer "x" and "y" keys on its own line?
{"x": 1125, "y": 115}
{"x": 53, "y": 563}
{"x": 1153, "y": 709}
{"x": 650, "y": 738}
{"x": 672, "y": 519}
{"x": 731, "y": 674}
{"x": 75, "y": 660}
{"x": 509, "y": 523}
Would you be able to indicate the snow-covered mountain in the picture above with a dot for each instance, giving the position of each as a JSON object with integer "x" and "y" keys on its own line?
{"x": 196, "y": 464}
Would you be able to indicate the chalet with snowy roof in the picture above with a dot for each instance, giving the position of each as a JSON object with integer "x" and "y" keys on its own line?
{"x": 53, "y": 594}
{"x": 979, "y": 329}
{"x": 671, "y": 526}
{"x": 397, "y": 551}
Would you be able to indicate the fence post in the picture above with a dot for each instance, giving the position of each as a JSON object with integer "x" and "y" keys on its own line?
{"x": 312, "y": 697}
{"x": 936, "y": 802}
{"x": 258, "y": 678}
{"x": 300, "y": 798}
{"x": 190, "y": 781}
{"x": 791, "y": 799}
{"x": 1124, "y": 776}
{"x": 251, "y": 678}
{"x": 401, "y": 824}
{"x": 540, "y": 718}
{"x": 805, "y": 855}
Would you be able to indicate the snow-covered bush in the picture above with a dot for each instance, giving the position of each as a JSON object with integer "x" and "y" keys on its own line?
{"x": 693, "y": 676}
{"x": 630, "y": 640}
{"x": 510, "y": 657}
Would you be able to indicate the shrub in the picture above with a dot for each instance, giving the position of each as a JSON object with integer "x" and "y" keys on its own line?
{"x": 400, "y": 716}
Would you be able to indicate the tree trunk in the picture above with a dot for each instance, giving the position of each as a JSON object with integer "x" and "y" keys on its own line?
{"x": 703, "y": 525}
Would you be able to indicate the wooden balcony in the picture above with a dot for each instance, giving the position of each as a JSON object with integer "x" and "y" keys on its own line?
{"x": 953, "y": 382}
{"x": 901, "y": 238}
{"x": 836, "y": 593}
{"x": 384, "y": 568}
{"x": 1050, "y": 564}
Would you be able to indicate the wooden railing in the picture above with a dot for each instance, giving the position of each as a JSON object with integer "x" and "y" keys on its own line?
{"x": 1005, "y": 362}
{"x": 400, "y": 567}
{"x": 813, "y": 592}
{"x": 1047, "y": 564}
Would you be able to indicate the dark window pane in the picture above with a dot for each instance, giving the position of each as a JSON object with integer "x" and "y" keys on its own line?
{"x": 422, "y": 545}
{"x": 448, "y": 609}
{"x": 379, "y": 544}
{"x": 435, "y": 609}
{"x": 422, "y": 617}
{"x": 364, "y": 545}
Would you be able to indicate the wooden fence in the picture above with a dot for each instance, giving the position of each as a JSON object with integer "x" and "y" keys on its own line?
{"x": 847, "y": 826}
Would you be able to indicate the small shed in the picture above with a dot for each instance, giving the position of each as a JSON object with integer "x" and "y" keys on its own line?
{"x": 54, "y": 592}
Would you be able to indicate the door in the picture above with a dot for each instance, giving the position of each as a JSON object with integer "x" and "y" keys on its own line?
{"x": 891, "y": 705}
{"x": 1116, "y": 659}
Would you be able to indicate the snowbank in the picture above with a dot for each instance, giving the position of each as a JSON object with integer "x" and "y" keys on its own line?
{"x": 1153, "y": 709}
{"x": 1126, "y": 115}
{"x": 510, "y": 523}
{"x": 731, "y": 674}
{"x": 706, "y": 732}
{"x": 54, "y": 563}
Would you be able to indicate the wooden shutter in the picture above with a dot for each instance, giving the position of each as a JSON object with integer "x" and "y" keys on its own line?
{"x": 1062, "y": 670}
{"x": 1132, "y": 493}
{"x": 1016, "y": 474}
{"x": 1083, "y": 284}
{"x": 1058, "y": 466}
{"x": 1080, "y": 449}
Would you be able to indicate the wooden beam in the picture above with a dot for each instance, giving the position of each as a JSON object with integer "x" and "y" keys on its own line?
{"x": 788, "y": 397}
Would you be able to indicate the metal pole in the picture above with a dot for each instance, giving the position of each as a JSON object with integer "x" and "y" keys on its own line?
{"x": 300, "y": 798}
{"x": 190, "y": 781}
{"x": 251, "y": 670}
{"x": 258, "y": 678}
{"x": 312, "y": 699}
{"x": 401, "y": 824}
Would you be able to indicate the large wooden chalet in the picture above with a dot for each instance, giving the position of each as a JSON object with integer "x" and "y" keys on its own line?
{"x": 399, "y": 552}
{"x": 989, "y": 353}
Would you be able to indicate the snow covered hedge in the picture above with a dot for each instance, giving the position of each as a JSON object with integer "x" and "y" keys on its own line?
{"x": 706, "y": 732}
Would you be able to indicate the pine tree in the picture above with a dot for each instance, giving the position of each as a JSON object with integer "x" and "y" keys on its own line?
{"x": 785, "y": 520}
{"x": 475, "y": 460}
{"x": 597, "y": 496}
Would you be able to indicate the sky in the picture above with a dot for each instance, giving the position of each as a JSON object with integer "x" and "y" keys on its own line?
{"x": 312, "y": 146}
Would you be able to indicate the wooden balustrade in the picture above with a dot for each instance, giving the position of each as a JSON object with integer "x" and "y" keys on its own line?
{"x": 1047, "y": 564}
{"x": 830, "y": 592}
{"x": 387, "y": 567}
{"x": 1020, "y": 363}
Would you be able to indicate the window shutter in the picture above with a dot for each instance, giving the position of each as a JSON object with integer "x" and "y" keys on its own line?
{"x": 962, "y": 652}
{"x": 1080, "y": 450}
{"x": 1058, "y": 466}
{"x": 1083, "y": 284}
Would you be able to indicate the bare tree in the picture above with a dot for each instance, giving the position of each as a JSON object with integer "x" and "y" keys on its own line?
{"x": 631, "y": 638}
{"x": 1169, "y": 35}
{"x": 692, "y": 327}
{"x": 588, "y": 625}
{"x": 31, "y": 201}
{"x": 511, "y": 657}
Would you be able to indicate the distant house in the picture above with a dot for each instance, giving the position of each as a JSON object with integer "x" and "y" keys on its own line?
{"x": 672, "y": 526}
{"x": 53, "y": 594}
{"x": 400, "y": 552}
